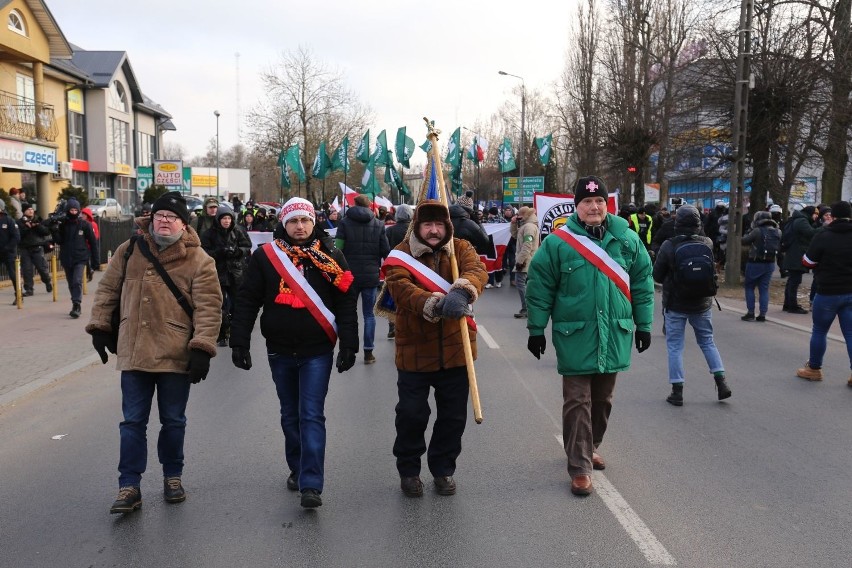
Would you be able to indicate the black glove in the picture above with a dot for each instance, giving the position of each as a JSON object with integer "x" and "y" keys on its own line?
{"x": 643, "y": 340}
{"x": 519, "y": 268}
{"x": 103, "y": 342}
{"x": 236, "y": 253}
{"x": 454, "y": 304}
{"x": 199, "y": 365}
{"x": 241, "y": 357}
{"x": 536, "y": 345}
{"x": 345, "y": 359}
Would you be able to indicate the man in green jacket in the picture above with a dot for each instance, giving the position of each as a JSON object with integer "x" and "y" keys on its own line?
{"x": 593, "y": 278}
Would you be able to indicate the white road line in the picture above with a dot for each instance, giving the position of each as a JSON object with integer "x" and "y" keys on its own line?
{"x": 480, "y": 330}
{"x": 648, "y": 544}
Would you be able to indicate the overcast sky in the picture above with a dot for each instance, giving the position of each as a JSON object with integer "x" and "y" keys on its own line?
{"x": 399, "y": 57}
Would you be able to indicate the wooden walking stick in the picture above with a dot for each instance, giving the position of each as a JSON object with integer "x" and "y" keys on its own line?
{"x": 468, "y": 350}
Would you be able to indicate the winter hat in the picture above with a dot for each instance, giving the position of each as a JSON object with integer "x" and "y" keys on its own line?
{"x": 172, "y": 201}
{"x": 222, "y": 211}
{"x": 687, "y": 216}
{"x": 525, "y": 212}
{"x": 403, "y": 213}
{"x": 809, "y": 210}
{"x": 466, "y": 200}
{"x": 430, "y": 210}
{"x": 841, "y": 210}
{"x": 298, "y": 207}
{"x": 775, "y": 209}
{"x": 72, "y": 204}
{"x": 25, "y": 206}
{"x": 762, "y": 216}
{"x": 590, "y": 186}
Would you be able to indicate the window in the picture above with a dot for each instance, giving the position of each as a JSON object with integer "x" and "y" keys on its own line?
{"x": 117, "y": 150}
{"x": 146, "y": 149}
{"x": 79, "y": 179}
{"x": 76, "y": 147}
{"x": 16, "y": 23}
{"x": 26, "y": 98}
{"x": 117, "y": 97}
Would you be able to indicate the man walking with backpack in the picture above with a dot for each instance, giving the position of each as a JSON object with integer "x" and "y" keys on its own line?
{"x": 686, "y": 269}
{"x": 765, "y": 241}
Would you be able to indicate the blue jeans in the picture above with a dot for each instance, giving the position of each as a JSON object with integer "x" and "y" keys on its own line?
{"x": 137, "y": 392}
{"x": 368, "y": 300}
{"x": 758, "y": 274}
{"x": 74, "y": 276}
{"x": 302, "y": 385}
{"x": 702, "y": 324}
{"x": 521, "y": 284}
{"x": 825, "y": 309}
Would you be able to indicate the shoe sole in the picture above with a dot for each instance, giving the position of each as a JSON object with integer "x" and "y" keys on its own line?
{"x": 445, "y": 491}
{"x": 413, "y": 494}
{"x": 369, "y": 362}
{"x": 581, "y": 492}
{"x": 180, "y": 499}
{"x": 125, "y": 510}
{"x": 311, "y": 502}
{"x": 675, "y": 402}
{"x": 598, "y": 466}
{"x": 812, "y": 379}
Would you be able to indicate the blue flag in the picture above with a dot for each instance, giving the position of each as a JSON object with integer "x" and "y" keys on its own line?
{"x": 432, "y": 191}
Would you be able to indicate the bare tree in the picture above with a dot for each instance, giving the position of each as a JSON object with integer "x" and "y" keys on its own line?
{"x": 173, "y": 151}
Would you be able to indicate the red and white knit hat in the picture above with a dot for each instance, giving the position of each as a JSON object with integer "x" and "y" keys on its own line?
{"x": 297, "y": 207}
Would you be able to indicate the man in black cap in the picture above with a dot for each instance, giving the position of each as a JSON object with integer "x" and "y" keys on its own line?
{"x": 34, "y": 235}
{"x": 78, "y": 245}
{"x": 592, "y": 277}
{"x": 161, "y": 345}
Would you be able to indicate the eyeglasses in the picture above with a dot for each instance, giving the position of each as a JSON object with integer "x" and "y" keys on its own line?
{"x": 165, "y": 217}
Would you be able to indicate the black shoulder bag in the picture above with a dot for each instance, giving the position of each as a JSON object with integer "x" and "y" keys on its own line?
{"x": 115, "y": 318}
{"x": 181, "y": 299}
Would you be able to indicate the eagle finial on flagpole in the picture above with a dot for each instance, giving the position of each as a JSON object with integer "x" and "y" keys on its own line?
{"x": 430, "y": 124}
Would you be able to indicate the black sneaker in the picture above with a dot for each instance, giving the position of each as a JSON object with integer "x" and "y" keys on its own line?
{"x": 292, "y": 484}
{"x": 761, "y": 317}
{"x": 129, "y": 499}
{"x": 521, "y": 314}
{"x": 412, "y": 486}
{"x": 27, "y": 293}
{"x": 173, "y": 490}
{"x": 311, "y": 499}
{"x": 797, "y": 310}
{"x": 445, "y": 485}
{"x": 49, "y": 287}
{"x": 75, "y": 310}
{"x": 748, "y": 317}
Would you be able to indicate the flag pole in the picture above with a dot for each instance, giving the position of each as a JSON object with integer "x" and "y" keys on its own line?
{"x": 468, "y": 349}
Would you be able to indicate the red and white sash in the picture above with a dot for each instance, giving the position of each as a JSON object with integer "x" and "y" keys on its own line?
{"x": 598, "y": 257}
{"x": 301, "y": 289}
{"x": 425, "y": 276}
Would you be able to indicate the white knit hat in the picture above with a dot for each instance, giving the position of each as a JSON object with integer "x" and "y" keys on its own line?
{"x": 297, "y": 207}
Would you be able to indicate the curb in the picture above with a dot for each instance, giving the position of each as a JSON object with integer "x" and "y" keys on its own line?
{"x": 17, "y": 393}
{"x": 797, "y": 327}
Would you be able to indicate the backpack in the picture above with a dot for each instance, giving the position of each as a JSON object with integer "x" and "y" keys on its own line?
{"x": 694, "y": 269}
{"x": 771, "y": 245}
{"x": 788, "y": 236}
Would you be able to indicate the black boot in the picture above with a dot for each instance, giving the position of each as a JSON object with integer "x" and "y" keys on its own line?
{"x": 722, "y": 387}
{"x": 75, "y": 310}
{"x": 676, "y": 398}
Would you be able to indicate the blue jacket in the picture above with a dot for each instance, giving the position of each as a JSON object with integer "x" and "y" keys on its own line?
{"x": 76, "y": 240}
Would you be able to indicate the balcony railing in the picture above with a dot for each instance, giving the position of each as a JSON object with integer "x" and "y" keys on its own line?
{"x": 26, "y": 118}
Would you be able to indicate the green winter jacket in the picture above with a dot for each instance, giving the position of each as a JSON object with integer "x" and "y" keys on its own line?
{"x": 593, "y": 323}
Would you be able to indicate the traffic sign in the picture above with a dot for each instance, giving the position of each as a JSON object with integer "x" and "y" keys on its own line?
{"x": 512, "y": 187}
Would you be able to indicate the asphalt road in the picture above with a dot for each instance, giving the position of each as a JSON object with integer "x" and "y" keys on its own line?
{"x": 761, "y": 480}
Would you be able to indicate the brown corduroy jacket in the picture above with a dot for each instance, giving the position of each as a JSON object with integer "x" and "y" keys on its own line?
{"x": 155, "y": 334}
{"x": 423, "y": 345}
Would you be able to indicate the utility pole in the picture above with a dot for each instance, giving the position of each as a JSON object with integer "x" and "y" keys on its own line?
{"x": 736, "y": 208}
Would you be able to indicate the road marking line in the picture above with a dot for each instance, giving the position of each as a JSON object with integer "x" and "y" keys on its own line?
{"x": 654, "y": 551}
{"x": 480, "y": 329}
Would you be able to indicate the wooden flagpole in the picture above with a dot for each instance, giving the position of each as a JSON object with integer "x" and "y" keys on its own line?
{"x": 468, "y": 350}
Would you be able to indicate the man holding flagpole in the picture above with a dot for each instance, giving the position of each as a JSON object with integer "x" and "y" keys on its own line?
{"x": 593, "y": 278}
{"x": 429, "y": 345}
{"x": 305, "y": 289}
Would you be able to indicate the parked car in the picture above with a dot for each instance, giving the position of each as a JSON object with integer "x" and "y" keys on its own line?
{"x": 105, "y": 208}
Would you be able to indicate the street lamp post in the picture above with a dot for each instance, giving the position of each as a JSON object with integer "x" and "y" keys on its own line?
{"x": 216, "y": 112}
{"x": 523, "y": 149}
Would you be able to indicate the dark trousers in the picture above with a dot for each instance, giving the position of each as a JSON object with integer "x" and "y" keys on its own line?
{"x": 137, "y": 392}
{"x": 412, "y": 417}
{"x": 586, "y": 404}
{"x": 9, "y": 261}
{"x": 791, "y": 289}
{"x": 74, "y": 276}
{"x": 33, "y": 257}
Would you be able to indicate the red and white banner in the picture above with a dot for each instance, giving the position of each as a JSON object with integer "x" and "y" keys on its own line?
{"x": 598, "y": 258}
{"x": 500, "y": 235}
{"x": 553, "y": 210}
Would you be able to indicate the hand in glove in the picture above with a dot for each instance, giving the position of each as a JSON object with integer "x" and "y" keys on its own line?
{"x": 454, "y": 304}
{"x": 345, "y": 359}
{"x": 103, "y": 342}
{"x": 199, "y": 365}
{"x": 536, "y": 345}
{"x": 643, "y": 340}
{"x": 241, "y": 357}
{"x": 519, "y": 268}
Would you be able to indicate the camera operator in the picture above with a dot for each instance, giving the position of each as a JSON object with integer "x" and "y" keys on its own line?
{"x": 34, "y": 236}
{"x": 230, "y": 247}
{"x": 78, "y": 245}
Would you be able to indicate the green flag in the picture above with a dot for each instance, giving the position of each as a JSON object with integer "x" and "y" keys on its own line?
{"x": 456, "y": 176}
{"x": 505, "y": 159}
{"x": 285, "y": 169}
{"x": 340, "y": 159}
{"x": 426, "y": 146}
{"x": 392, "y": 177}
{"x": 295, "y": 162}
{"x": 544, "y": 148}
{"x": 369, "y": 183}
{"x": 454, "y": 150}
{"x": 362, "y": 152}
{"x": 380, "y": 154}
{"x": 404, "y": 148}
{"x": 322, "y": 163}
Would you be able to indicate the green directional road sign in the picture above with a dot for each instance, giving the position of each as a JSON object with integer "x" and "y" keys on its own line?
{"x": 512, "y": 187}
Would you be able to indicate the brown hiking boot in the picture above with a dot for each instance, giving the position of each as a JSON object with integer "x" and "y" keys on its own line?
{"x": 809, "y": 373}
{"x": 129, "y": 499}
{"x": 173, "y": 490}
